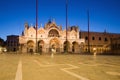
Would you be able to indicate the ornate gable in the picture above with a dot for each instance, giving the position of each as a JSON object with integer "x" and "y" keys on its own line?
{"x": 50, "y": 25}
{"x": 41, "y": 31}
{"x": 31, "y": 30}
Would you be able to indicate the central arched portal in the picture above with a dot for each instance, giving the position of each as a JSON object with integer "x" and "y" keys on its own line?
{"x": 55, "y": 44}
{"x": 40, "y": 46}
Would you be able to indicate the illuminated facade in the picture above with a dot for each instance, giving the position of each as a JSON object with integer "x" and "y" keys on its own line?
{"x": 53, "y": 36}
{"x": 115, "y": 45}
{"x": 100, "y": 41}
{"x": 48, "y": 37}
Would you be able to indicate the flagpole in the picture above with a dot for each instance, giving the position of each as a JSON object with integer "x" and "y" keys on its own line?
{"x": 88, "y": 32}
{"x": 66, "y": 24}
{"x": 36, "y": 24}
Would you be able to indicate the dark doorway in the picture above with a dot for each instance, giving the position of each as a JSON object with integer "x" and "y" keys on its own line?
{"x": 14, "y": 49}
{"x": 40, "y": 49}
{"x": 31, "y": 51}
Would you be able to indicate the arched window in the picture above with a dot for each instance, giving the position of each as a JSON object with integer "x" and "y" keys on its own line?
{"x": 99, "y": 38}
{"x": 53, "y": 33}
{"x": 93, "y": 38}
{"x": 86, "y": 38}
{"x": 106, "y": 39}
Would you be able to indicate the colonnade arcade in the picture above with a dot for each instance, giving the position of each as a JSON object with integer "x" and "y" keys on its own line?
{"x": 55, "y": 43}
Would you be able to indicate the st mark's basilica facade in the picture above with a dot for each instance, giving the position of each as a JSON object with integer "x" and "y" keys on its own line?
{"x": 48, "y": 37}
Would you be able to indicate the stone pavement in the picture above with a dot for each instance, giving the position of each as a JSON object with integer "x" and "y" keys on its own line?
{"x": 60, "y": 67}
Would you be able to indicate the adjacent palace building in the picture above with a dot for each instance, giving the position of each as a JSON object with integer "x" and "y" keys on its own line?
{"x": 52, "y": 36}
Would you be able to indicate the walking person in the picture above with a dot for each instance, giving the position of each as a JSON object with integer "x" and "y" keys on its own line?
{"x": 53, "y": 52}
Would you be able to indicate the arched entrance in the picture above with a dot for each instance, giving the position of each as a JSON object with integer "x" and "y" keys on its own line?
{"x": 40, "y": 46}
{"x": 30, "y": 46}
{"x": 55, "y": 44}
{"x": 75, "y": 47}
{"x": 66, "y": 46}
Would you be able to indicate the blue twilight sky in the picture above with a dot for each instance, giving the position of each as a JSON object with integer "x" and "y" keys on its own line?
{"x": 104, "y": 14}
